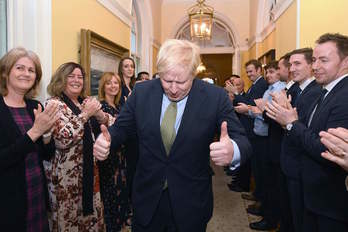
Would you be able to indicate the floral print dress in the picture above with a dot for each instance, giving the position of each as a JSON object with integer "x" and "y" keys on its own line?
{"x": 64, "y": 177}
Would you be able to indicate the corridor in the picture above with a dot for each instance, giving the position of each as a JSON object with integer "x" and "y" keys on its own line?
{"x": 229, "y": 208}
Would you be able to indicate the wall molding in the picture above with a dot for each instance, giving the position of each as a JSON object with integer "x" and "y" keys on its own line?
{"x": 281, "y": 8}
{"x": 118, "y": 10}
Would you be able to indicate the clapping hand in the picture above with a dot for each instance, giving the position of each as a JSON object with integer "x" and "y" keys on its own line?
{"x": 90, "y": 107}
{"x": 336, "y": 141}
{"x": 44, "y": 120}
{"x": 281, "y": 114}
{"x": 281, "y": 98}
{"x": 242, "y": 108}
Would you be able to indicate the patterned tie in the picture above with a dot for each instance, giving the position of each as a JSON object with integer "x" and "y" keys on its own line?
{"x": 167, "y": 127}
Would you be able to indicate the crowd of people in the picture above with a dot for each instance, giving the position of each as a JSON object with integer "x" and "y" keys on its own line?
{"x": 53, "y": 181}
{"x": 141, "y": 153}
{"x": 296, "y": 119}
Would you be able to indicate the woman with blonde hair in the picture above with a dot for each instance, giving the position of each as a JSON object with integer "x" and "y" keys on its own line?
{"x": 72, "y": 174}
{"x": 113, "y": 186}
{"x": 24, "y": 143}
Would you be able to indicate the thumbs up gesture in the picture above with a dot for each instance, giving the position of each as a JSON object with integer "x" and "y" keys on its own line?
{"x": 221, "y": 152}
{"x": 101, "y": 148}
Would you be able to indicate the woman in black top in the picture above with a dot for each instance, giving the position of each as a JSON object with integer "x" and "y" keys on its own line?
{"x": 25, "y": 141}
{"x": 126, "y": 71}
{"x": 112, "y": 171}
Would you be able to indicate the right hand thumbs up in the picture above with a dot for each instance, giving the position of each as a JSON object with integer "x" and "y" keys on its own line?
{"x": 105, "y": 132}
{"x": 101, "y": 148}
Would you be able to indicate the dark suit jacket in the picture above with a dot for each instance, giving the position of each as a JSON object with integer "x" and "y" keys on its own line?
{"x": 256, "y": 91}
{"x": 187, "y": 168}
{"x": 13, "y": 149}
{"x": 323, "y": 181}
{"x": 293, "y": 91}
{"x": 292, "y": 150}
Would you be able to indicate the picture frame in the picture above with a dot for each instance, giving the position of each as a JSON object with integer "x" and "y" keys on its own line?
{"x": 98, "y": 55}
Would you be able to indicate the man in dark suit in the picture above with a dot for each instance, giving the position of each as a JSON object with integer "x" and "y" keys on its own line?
{"x": 241, "y": 176}
{"x": 290, "y": 159}
{"x": 242, "y": 103}
{"x": 175, "y": 119}
{"x": 325, "y": 195}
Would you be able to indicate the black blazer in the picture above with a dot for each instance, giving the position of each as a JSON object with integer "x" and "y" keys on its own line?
{"x": 256, "y": 91}
{"x": 187, "y": 168}
{"x": 323, "y": 181}
{"x": 294, "y": 92}
{"x": 13, "y": 148}
{"x": 290, "y": 158}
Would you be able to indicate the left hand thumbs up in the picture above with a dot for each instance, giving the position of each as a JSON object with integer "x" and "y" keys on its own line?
{"x": 221, "y": 152}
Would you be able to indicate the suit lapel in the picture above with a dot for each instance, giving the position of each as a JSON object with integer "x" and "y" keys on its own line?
{"x": 155, "y": 113}
{"x": 328, "y": 98}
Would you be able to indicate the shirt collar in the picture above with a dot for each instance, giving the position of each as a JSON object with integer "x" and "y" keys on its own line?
{"x": 289, "y": 84}
{"x": 306, "y": 83}
{"x": 333, "y": 83}
{"x": 257, "y": 80}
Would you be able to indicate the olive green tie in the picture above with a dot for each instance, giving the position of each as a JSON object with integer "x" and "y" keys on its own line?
{"x": 168, "y": 126}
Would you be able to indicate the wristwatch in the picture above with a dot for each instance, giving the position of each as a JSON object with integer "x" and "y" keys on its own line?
{"x": 289, "y": 126}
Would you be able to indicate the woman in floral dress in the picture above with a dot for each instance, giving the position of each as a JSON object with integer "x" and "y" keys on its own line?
{"x": 72, "y": 174}
{"x": 112, "y": 171}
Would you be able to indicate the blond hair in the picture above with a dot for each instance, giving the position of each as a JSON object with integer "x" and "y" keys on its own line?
{"x": 9, "y": 60}
{"x": 107, "y": 76}
{"x": 174, "y": 53}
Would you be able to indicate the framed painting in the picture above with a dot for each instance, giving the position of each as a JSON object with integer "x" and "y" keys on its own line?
{"x": 98, "y": 55}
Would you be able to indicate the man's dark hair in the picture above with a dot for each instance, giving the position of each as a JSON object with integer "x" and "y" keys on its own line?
{"x": 285, "y": 59}
{"x": 272, "y": 64}
{"x": 307, "y": 52}
{"x": 257, "y": 64}
{"x": 341, "y": 42}
{"x": 141, "y": 73}
{"x": 234, "y": 75}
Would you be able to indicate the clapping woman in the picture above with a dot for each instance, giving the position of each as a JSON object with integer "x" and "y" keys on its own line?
{"x": 23, "y": 123}
{"x": 72, "y": 174}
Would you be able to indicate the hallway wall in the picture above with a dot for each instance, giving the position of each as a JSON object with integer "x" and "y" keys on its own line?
{"x": 320, "y": 16}
{"x": 286, "y": 31}
{"x": 69, "y": 17}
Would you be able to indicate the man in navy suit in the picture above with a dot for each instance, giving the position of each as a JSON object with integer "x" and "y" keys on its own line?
{"x": 290, "y": 159}
{"x": 323, "y": 182}
{"x": 259, "y": 143}
{"x": 175, "y": 119}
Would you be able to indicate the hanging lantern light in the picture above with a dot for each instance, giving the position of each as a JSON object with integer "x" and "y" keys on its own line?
{"x": 201, "y": 20}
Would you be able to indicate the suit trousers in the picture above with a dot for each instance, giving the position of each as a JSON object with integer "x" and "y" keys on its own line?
{"x": 243, "y": 176}
{"x": 260, "y": 149}
{"x": 162, "y": 220}
{"x": 296, "y": 203}
{"x": 286, "y": 222}
{"x": 271, "y": 202}
{"x": 317, "y": 223}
